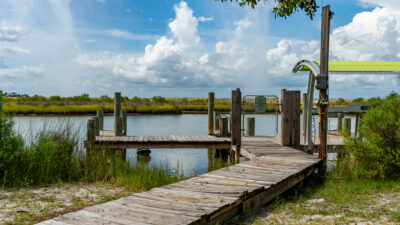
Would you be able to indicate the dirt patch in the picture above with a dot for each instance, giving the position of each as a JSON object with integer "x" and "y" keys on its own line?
{"x": 31, "y": 205}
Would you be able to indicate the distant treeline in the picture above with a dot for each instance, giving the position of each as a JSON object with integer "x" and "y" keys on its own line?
{"x": 84, "y": 104}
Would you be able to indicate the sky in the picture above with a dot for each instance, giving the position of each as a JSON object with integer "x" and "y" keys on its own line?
{"x": 187, "y": 48}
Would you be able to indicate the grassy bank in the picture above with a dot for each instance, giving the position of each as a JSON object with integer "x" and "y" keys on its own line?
{"x": 337, "y": 201}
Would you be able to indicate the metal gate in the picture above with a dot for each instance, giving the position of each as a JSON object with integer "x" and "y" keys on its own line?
{"x": 264, "y": 109}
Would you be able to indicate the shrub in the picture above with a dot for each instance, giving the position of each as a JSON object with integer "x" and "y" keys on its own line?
{"x": 377, "y": 155}
{"x": 158, "y": 99}
{"x": 340, "y": 101}
{"x": 358, "y": 100}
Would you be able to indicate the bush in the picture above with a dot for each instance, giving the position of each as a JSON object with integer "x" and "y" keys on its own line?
{"x": 340, "y": 101}
{"x": 358, "y": 100}
{"x": 377, "y": 155}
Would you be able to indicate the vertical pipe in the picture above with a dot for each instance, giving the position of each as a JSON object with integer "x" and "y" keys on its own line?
{"x": 117, "y": 108}
{"x": 100, "y": 115}
{"x": 303, "y": 113}
{"x": 211, "y": 96}
{"x": 251, "y": 123}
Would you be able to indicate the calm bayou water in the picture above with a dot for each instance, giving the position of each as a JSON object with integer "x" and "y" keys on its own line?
{"x": 189, "y": 160}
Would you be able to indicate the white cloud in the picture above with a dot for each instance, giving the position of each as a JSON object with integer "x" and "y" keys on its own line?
{"x": 11, "y": 33}
{"x": 9, "y": 49}
{"x": 118, "y": 33}
{"x": 205, "y": 19}
{"x": 20, "y": 72}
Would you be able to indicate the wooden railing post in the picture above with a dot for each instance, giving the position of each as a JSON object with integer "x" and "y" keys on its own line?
{"x": 347, "y": 126}
{"x": 100, "y": 115}
{"x": 224, "y": 126}
{"x": 290, "y": 118}
{"x": 211, "y": 97}
{"x": 117, "y": 108}
{"x": 118, "y": 126}
{"x": 216, "y": 120}
{"x": 90, "y": 137}
{"x": 236, "y": 122}
{"x": 339, "y": 122}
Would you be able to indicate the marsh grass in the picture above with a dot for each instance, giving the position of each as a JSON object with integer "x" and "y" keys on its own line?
{"x": 54, "y": 154}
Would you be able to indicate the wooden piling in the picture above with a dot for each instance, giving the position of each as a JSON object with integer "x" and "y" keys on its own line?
{"x": 347, "y": 126}
{"x": 216, "y": 120}
{"x": 236, "y": 122}
{"x": 211, "y": 97}
{"x": 224, "y": 126}
{"x": 356, "y": 128}
{"x": 339, "y": 122}
{"x": 96, "y": 125}
{"x": 100, "y": 115}
{"x": 290, "y": 118}
{"x": 251, "y": 123}
{"x": 124, "y": 122}
{"x": 91, "y": 130}
{"x": 117, "y": 108}
{"x": 118, "y": 128}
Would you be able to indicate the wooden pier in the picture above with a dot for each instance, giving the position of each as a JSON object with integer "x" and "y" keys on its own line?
{"x": 211, "y": 197}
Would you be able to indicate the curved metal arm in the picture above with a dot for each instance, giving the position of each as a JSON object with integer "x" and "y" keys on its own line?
{"x": 307, "y": 110}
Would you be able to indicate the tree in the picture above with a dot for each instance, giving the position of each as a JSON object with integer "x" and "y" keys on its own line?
{"x": 285, "y": 8}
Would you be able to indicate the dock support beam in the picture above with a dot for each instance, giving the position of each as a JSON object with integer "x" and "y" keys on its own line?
{"x": 236, "y": 122}
{"x": 216, "y": 120}
{"x": 211, "y": 97}
{"x": 339, "y": 122}
{"x": 347, "y": 126}
{"x": 117, "y": 108}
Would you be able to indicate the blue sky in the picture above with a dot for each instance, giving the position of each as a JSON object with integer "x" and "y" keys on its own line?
{"x": 186, "y": 48}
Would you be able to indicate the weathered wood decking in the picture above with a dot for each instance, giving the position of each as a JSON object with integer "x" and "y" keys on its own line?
{"x": 211, "y": 197}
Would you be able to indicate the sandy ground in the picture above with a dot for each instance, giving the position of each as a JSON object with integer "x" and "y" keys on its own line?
{"x": 31, "y": 205}
{"x": 380, "y": 208}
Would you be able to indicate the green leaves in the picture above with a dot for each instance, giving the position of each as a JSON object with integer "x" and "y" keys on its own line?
{"x": 285, "y": 8}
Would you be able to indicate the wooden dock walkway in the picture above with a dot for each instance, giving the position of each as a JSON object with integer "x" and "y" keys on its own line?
{"x": 208, "y": 198}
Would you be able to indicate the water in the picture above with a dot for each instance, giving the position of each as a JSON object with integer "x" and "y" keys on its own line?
{"x": 191, "y": 161}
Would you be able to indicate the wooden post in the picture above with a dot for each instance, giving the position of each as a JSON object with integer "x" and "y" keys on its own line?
{"x": 91, "y": 130}
{"x": 90, "y": 138}
{"x": 303, "y": 113}
{"x": 117, "y": 108}
{"x": 124, "y": 122}
{"x": 100, "y": 115}
{"x": 224, "y": 126}
{"x": 236, "y": 122}
{"x": 96, "y": 125}
{"x": 118, "y": 128}
{"x": 251, "y": 123}
{"x": 211, "y": 96}
{"x": 323, "y": 96}
{"x": 211, "y": 156}
{"x": 216, "y": 120}
{"x": 290, "y": 118}
{"x": 339, "y": 122}
{"x": 347, "y": 126}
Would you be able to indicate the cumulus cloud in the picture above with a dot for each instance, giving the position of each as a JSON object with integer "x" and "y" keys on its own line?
{"x": 9, "y": 49}
{"x": 20, "y": 72}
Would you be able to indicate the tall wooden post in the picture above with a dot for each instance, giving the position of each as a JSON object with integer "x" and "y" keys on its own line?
{"x": 216, "y": 120}
{"x": 236, "y": 122}
{"x": 347, "y": 126}
{"x": 251, "y": 125}
{"x": 100, "y": 115}
{"x": 117, "y": 108}
{"x": 90, "y": 138}
{"x": 211, "y": 96}
{"x": 290, "y": 118}
{"x": 323, "y": 96}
